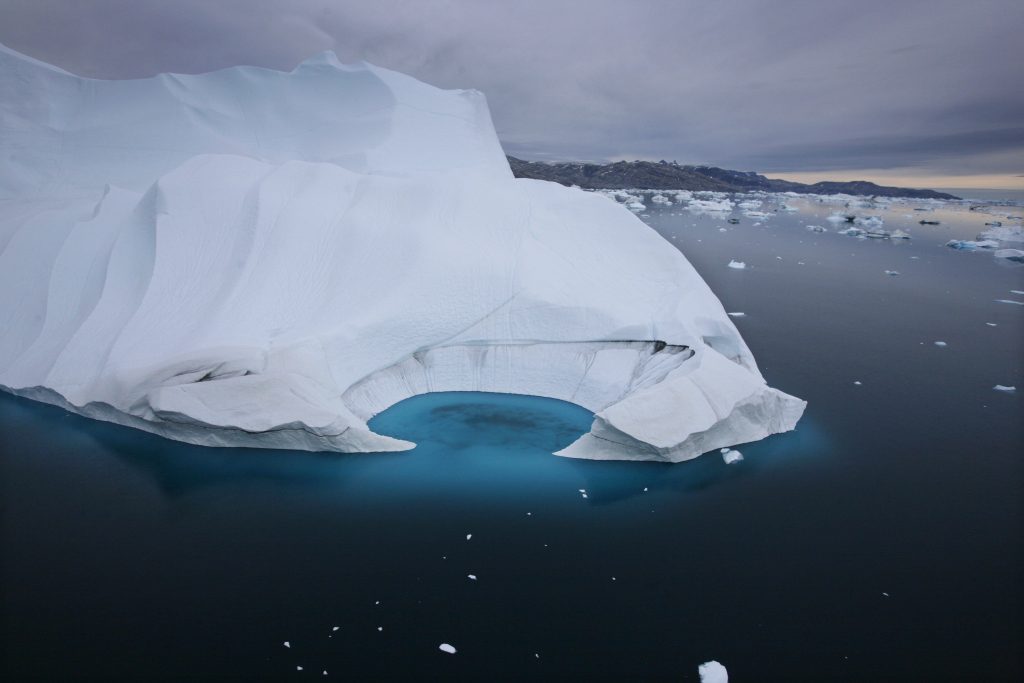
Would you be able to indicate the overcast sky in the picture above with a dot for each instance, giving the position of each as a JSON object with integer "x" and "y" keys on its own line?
{"x": 775, "y": 86}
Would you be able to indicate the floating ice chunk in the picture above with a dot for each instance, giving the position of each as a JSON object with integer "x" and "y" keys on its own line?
{"x": 892, "y": 273}
{"x": 445, "y": 647}
{"x": 857, "y": 382}
{"x": 335, "y": 628}
{"x": 1015, "y": 255}
{"x": 660, "y": 199}
{"x": 841, "y": 218}
{"x": 899, "y": 235}
{"x": 941, "y": 343}
{"x": 472, "y": 577}
{"x": 868, "y": 221}
{"x": 1009, "y": 301}
{"x": 731, "y": 456}
{"x": 992, "y": 324}
{"x": 1009, "y": 233}
{"x": 817, "y": 228}
{"x": 737, "y": 265}
{"x": 750, "y": 204}
{"x": 737, "y": 314}
{"x": 469, "y": 536}
{"x": 712, "y": 672}
{"x": 636, "y": 206}
{"x": 757, "y": 214}
{"x": 877, "y": 234}
{"x": 1004, "y": 389}
{"x": 787, "y": 207}
{"x": 709, "y": 206}
{"x": 970, "y": 245}
{"x": 287, "y": 644}
{"x": 852, "y": 232}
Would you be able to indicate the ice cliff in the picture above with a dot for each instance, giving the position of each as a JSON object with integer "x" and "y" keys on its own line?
{"x": 259, "y": 258}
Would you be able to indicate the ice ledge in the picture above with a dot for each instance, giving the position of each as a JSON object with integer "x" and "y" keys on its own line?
{"x": 652, "y": 400}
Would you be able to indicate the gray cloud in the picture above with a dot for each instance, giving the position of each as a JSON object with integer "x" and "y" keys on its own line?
{"x": 758, "y": 84}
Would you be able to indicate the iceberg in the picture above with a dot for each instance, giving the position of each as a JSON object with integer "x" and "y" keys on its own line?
{"x": 259, "y": 258}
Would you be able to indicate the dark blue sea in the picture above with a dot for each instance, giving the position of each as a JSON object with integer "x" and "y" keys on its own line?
{"x": 880, "y": 541}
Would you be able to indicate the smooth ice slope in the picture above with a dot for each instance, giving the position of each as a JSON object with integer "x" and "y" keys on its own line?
{"x": 252, "y": 257}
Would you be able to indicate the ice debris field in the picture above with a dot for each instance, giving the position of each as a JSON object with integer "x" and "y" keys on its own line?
{"x": 260, "y": 258}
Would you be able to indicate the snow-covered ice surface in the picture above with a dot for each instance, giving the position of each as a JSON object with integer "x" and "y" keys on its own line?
{"x": 253, "y": 257}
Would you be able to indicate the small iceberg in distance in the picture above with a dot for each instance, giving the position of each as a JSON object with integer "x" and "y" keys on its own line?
{"x": 279, "y": 257}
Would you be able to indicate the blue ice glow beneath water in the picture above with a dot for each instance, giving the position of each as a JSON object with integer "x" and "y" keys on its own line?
{"x": 126, "y": 556}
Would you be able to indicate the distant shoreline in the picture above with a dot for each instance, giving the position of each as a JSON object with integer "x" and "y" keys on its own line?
{"x": 665, "y": 175}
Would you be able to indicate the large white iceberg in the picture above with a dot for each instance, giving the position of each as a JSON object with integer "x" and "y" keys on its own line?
{"x": 253, "y": 257}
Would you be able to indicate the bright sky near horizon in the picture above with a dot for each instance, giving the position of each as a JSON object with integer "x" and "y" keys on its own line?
{"x": 919, "y": 92}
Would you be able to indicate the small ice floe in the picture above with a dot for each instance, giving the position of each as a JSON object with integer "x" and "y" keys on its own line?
{"x": 857, "y": 382}
{"x": 787, "y": 207}
{"x": 737, "y": 314}
{"x": 1010, "y": 233}
{"x": 1016, "y": 291}
{"x": 709, "y": 206}
{"x": 469, "y": 536}
{"x": 841, "y": 218}
{"x": 472, "y": 577}
{"x": 287, "y": 644}
{"x": 723, "y": 230}
{"x": 852, "y": 232}
{"x": 940, "y": 343}
{"x": 738, "y": 265}
{"x": 899, "y": 235}
{"x": 445, "y": 647}
{"x": 757, "y": 214}
{"x": 1009, "y": 301}
{"x": 972, "y": 245}
{"x": 379, "y": 629}
{"x": 892, "y": 273}
{"x": 1005, "y": 389}
{"x": 712, "y": 672}
{"x": 816, "y": 228}
{"x": 1016, "y": 255}
{"x": 731, "y": 456}
{"x": 750, "y": 204}
{"x": 885, "y": 594}
{"x": 870, "y": 222}
{"x": 660, "y": 199}
{"x": 992, "y": 324}
{"x": 298, "y": 668}
{"x": 636, "y": 206}
{"x": 335, "y": 628}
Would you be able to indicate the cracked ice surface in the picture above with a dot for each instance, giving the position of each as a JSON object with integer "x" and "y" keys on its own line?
{"x": 252, "y": 257}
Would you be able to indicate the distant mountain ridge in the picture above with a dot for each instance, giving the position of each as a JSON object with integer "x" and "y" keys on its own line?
{"x": 666, "y": 175}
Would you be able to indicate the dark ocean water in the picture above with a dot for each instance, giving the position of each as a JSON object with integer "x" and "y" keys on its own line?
{"x": 880, "y": 541}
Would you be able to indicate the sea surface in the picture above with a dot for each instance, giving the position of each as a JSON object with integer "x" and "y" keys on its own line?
{"x": 882, "y": 540}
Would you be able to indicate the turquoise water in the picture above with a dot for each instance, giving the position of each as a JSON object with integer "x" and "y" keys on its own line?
{"x": 879, "y": 541}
